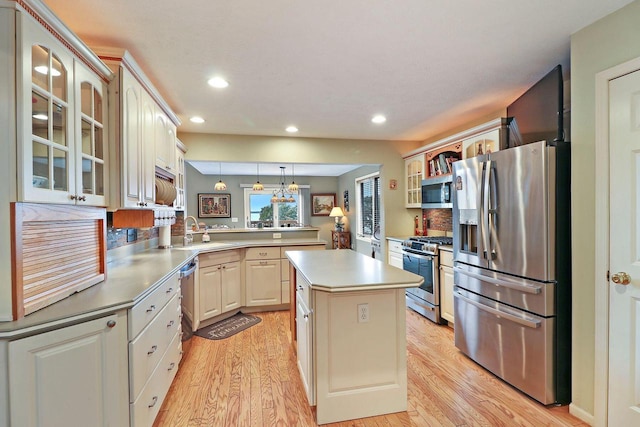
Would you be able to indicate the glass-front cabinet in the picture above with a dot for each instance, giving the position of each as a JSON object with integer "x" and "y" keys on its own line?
{"x": 61, "y": 146}
{"x": 414, "y": 171}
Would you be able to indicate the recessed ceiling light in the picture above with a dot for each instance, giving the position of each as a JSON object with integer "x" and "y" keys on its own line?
{"x": 218, "y": 82}
{"x": 196, "y": 119}
{"x": 379, "y": 118}
{"x": 291, "y": 129}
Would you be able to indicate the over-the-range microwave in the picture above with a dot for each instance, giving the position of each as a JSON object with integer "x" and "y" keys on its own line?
{"x": 436, "y": 192}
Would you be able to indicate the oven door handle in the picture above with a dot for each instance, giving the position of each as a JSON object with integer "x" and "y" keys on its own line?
{"x": 501, "y": 282}
{"x": 411, "y": 254}
{"x": 529, "y": 321}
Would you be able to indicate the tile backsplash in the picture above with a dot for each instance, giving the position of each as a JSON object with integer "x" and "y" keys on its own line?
{"x": 439, "y": 219}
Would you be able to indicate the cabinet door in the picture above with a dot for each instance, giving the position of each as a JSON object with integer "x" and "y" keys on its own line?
{"x": 262, "y": 282}
{"x": 414, "y": 172}
{"x": 131, "y": 93}
{"x": 395, "y": 259}
{"x": 148, "y": 150}
{"x": 210, "y": 295}
{"x": 446, "y": 281}
{"x": 71, "y": 376}
{"x": 180, "y": 180}
{"x": 231, "y": 287}
{"x": 485, "y": 143}
{"x": 90, "y": 130}
{"x": 46, "y": 113}
{"x": 305, "y": 351}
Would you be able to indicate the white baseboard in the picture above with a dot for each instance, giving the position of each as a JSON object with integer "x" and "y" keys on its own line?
{"x": 578, "y": 412}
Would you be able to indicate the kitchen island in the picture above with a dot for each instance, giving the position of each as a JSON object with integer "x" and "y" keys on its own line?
{"x": 351, "y": 333}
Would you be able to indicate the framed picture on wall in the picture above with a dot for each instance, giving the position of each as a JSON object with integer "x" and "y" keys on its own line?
{"x": 322, "y": 203}
{"x": 214, "y": 205}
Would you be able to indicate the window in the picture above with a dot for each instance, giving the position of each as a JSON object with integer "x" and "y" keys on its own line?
{"x": 261, "y": 212}
{"x": 368, "y": 201}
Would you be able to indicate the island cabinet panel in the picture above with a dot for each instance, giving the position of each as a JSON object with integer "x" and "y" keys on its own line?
{"x": 73, "y": 376}
{"x": 446, "y": 286}
{"x": 372, "y": 379}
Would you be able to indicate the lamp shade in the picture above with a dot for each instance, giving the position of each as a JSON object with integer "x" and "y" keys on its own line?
{"x": 336, "y": 212}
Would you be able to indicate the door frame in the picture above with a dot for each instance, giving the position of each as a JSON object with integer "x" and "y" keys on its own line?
{"x": 601, "y": 353}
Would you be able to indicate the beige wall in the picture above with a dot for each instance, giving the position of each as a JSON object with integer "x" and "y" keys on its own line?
{"x": 388, "y": 154}
{"x": 602, "y": 45}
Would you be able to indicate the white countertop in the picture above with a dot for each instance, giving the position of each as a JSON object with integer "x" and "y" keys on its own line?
{"x": 346, "y": 270}
{"x": 129, "y": 279}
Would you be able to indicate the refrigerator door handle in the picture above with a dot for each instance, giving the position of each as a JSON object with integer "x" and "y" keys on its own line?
{"x": 500, "y": 282}
{"x": 529, "y": 321}
{"x": 485, "y": 209}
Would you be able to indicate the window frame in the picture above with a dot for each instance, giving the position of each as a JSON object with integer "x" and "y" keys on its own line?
{"x": 377, "y": 205}
{"x": 268, "y": 190}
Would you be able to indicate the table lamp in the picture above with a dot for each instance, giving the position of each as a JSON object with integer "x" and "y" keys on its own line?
{"x": 337, "y": 213}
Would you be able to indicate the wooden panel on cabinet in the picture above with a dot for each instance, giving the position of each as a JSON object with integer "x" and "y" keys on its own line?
{"x": 58, "y": 250}
{"x": 438, "y": 161}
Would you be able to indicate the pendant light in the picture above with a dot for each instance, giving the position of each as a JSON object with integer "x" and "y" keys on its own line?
{"x": 220, "y": 186}
{"x": 279, "y": 195}
{"x": 258, "y": 186}
{"x": 293, "y": 187}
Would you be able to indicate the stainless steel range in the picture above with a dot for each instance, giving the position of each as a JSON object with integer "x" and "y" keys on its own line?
{"x": 420, "y": 256}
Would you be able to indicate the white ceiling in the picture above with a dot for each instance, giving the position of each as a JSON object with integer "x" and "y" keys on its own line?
{"x": 328, "y": 66}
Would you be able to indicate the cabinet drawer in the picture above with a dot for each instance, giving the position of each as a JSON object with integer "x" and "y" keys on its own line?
{"x": 284, "y": 249}
{"x": 303, "y": 289}
{"x": 148, "y": 348}
{"x": 395, "y": 246}
{"x": 446, "y": 258}
{"x": 145, "y": 409}
{"x": 143, "y": 312}
{"x": 265, "y": 252}
{"x": 217, "y": 258}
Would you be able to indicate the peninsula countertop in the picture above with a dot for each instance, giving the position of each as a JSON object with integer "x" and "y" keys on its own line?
{"x": 346, "y": 270}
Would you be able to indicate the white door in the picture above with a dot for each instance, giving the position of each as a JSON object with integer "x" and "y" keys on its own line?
{"x": 624, "y": 300}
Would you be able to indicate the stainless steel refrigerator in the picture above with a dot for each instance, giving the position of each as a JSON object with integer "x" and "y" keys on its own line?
{"x": 512, "y": 273}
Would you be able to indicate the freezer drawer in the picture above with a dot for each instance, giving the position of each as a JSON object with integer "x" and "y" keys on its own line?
{"x": 516, "y": 346}
{"x": 532, "y": 296}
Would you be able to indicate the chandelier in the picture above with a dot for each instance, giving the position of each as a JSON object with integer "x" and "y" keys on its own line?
{"x": 282, "y": 194}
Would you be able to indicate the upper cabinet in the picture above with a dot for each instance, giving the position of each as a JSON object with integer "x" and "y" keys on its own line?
{"x": 62, "y": 117}
{"x": 484, "y": 143}
{"x": 414, "y": 172}
{"x": 143, "y": 142}
{"x": 181, "y": 185}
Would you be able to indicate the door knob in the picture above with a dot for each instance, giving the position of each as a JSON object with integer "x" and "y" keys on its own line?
{"x": 621, "y": 278}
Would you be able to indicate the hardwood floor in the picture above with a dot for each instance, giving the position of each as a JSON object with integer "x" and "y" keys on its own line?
{"x": 251, "y": 379}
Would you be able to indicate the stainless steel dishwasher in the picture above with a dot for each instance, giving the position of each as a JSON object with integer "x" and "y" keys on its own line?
{"x": 187, "y": 283}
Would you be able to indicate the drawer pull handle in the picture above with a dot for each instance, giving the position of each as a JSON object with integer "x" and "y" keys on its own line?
{"x": 153, "y": 350}
{"x": 169, "y": 290}
{"x": 300, "y": 288}
{"x": 111, "y": 323}
{"x": 170, "y": 324}
{"x": 150, "y": 309}
{"x": 173, "y": 365}
{"x": 154, "y": 401}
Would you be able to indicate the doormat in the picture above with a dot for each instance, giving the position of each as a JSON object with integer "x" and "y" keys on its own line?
{"x": 228, "y": 327}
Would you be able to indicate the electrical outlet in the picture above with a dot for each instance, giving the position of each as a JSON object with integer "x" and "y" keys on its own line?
{"x": 277, "y": 235}
{"x": 363, "y": 313}
{"x": 234, "y": 219}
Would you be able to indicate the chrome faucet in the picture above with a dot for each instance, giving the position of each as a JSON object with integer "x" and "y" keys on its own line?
{"x": 188, "y": 237}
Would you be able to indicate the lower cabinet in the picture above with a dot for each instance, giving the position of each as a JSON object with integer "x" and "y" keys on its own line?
{"x": 395, "y": 253}
{"x": 73, "y": 376}
{"x": 446, "y": 286}
{"x": 262, "y": 276}
{"x": 155, "y": 350}
{"x": 219, "y": 283}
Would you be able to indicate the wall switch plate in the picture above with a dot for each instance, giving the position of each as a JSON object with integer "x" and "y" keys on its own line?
{"x": 363, "y": 313}
{"x": 277, "y": 235}
{"x": 234, "y": 219}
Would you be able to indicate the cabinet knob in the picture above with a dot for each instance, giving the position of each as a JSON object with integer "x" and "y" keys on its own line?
{"x": 171, "y": 366}
{"x": 111, "y": 324}
{"x": 150, "y": 309}
{"x": 73, "y": 197}
{"x": 82, "y": 198}
{"x": 153, "y": 350}
{"x": 169, "y": 290}
{"x": 170, "y": 324}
